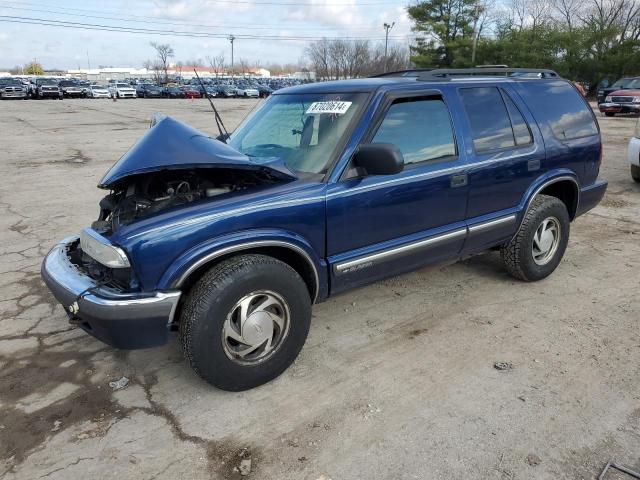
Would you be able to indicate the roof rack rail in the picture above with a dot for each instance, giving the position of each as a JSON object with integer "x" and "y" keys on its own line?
{"x": 414, "y": 72}
{"x": 447, "y": 73}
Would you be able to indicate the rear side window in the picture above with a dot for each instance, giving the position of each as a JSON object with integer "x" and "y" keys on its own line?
{"x": 521, "y": 132}
{"x": 561, "y": 106}
{"x": 420, "y": 128}
{"x": 495, "y": 121}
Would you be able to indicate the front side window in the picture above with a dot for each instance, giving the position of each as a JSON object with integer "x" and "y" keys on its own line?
{"x": 420, "y": 128}
{"x": 303, "y": 130}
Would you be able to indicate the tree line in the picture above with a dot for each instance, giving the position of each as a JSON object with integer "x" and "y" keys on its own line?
{"x": 334, "y": 59}
{"x": 583, "y": 40}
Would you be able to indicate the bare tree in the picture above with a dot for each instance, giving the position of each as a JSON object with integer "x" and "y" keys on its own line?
{"x": 337, "y": 58}
{"x": 164, "y": 52}
{"x": 217, "y": 63}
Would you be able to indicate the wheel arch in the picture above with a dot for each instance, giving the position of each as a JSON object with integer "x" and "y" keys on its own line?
{"x": 564, "y": 187}
{"x": 184, "y": 272}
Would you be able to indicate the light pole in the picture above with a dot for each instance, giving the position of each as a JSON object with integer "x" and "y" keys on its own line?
{"x": 387, "y": 27}
{"x": 231, "y": 39}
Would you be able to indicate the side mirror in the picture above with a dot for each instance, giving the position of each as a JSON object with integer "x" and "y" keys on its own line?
{"x": 379, "y": 159}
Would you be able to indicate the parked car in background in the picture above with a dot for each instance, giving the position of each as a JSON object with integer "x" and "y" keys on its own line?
{"x": 98, "y": 91}
{"x": 633, "y": 153}
{"x": 232, "y": 243}
{"x": 621, "y": 84}
{"x": 122, "y": 90}
{"x": 227, "y": 91}
{"x": 191, "y": 91}
{"x": 172, "y": 92}
{"x": 209, "y": 90}
{"x": 244, "y": 90}
{"x": 148, "y": 90}
{"x": 84, "y": 85}
{"x": 622, "y": 101}
{"x": 47, "y": 88}
{"x": 70, "y": 89}
{"x": 263, "y": 90}
{"x": 12, "y": 88}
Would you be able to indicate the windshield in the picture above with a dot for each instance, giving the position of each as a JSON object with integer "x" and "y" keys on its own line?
{"x": 303, "y": 130}
{"x": 123, "y": 85}
{"x": 623, "y": 82}
{"x": 635, "y": 83}
{"x": 10, "y": 81}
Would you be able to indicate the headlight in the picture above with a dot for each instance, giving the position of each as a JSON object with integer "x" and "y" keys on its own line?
{"x": 608, "y": 99}
{"x": 636, "y": 100}
{"x": 99, "y": 248}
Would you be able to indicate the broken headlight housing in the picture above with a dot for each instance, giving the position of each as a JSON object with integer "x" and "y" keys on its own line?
{"x": 101, "y": 250}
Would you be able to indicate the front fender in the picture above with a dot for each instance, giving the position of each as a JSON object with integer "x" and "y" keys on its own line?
{"x": 191, "y": 260}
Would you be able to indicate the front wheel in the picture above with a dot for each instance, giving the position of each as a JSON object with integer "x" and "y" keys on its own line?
{"x": 635, "y": 173}
{"x": 537, "y": 248}
{"x": 245, "y": 321}
{"x": 609, "y": 114}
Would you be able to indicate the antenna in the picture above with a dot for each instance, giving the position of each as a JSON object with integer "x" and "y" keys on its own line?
{"x": 221, "y": 128}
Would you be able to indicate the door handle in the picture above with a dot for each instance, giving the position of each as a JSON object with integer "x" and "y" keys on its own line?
{"x": 459, "y": 180}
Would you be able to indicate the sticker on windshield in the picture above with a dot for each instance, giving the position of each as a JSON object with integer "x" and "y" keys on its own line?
{"x": 335, "y": 107}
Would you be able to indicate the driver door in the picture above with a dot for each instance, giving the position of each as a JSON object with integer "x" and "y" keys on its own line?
{"x": 378, "y": 226}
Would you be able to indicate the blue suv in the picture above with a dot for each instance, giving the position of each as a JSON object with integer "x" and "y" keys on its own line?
{"x": 327, "y": 187}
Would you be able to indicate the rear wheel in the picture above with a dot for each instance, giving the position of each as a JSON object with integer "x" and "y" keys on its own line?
{"x": 539, "y": 245}
{"x": 245, "y": 321}
{"x": 635, "y": 173}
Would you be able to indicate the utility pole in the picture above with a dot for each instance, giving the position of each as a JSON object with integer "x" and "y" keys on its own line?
{"x": 474, "y": 45}
{"x": 88, "y": 61}
{"x": 387, "y": 27}
{"x": 231, "y": 39}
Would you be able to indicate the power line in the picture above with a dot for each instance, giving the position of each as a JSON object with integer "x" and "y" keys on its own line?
{"x": 178, "y": 33}
{"x": 139, "y": 19}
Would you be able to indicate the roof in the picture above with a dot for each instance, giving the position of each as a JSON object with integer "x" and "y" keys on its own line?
{"x": 364, "y": 85}
{"x": 367, "y": 85}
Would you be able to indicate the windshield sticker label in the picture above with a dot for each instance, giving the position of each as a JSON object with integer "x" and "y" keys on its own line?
{"x": 335, "y": 107}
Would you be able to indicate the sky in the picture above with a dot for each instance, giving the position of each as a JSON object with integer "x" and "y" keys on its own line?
{"x": 280, "y": 29}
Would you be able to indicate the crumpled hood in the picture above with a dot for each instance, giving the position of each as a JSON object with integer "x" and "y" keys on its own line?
{"x": 172, "y": 145}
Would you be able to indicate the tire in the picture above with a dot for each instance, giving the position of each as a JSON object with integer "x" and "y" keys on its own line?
{"x": 609, "y": 114}
{"x": 635, "y": 173}
{"x": 519, "y": 255}
{"x": 214, "y": 300}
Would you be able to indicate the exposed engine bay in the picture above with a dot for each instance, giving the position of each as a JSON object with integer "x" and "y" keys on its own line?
{"x": 145, "y": 194}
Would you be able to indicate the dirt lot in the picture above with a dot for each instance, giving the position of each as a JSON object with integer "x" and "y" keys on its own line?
{"x": 396, "y": 381}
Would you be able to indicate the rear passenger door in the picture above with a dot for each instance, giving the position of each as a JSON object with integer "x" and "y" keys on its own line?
{"x": 505, "y": 153}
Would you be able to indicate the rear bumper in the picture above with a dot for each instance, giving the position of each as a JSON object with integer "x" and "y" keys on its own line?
{"x": 633, "y": 152}
{"x": 591, "y": 196}
{"x": 122, "y": 320}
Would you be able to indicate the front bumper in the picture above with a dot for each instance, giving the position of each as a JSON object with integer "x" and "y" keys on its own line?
{"x": 50, "y": 93}
{"x": 633, "y": 152}
{"x": 610, "y": 107}
{"x": 21, "y": 94}
{"x": 122, "y": 320}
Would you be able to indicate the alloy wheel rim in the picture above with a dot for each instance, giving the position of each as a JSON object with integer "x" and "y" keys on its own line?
{"x": 546, "y": 240}
{"x": 255, "y": 327}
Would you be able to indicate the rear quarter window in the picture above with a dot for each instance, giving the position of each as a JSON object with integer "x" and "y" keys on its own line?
{"x": 559, "y": 104}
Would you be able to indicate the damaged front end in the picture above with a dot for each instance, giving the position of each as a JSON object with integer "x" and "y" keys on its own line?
{"x": 172, "y": 165}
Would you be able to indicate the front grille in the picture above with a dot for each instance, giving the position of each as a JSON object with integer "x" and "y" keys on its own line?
{"x": 622, "y": 99}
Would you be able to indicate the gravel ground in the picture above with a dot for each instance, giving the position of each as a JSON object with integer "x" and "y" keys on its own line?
{"x": 396, "y": 381}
